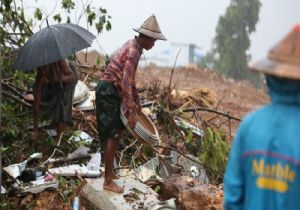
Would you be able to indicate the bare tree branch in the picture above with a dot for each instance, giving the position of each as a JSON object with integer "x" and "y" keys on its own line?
{"x": 210, "y": 110}
{"x": 16, "y": 98}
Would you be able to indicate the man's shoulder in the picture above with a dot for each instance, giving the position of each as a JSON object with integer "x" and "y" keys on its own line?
{"x": 130, "y": 48}
{"x": 131, "y": 43}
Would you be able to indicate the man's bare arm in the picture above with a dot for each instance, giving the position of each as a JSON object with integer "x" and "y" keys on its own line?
{"x": 39, "y": 82}
{"x": 67, "y": 74}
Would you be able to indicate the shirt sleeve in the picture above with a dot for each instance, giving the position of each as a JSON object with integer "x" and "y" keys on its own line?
{"x": 128, "y": 81}
{"x": 234, "y": 179}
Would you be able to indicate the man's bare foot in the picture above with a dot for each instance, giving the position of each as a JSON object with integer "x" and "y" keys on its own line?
{"x": 113, "y": 187}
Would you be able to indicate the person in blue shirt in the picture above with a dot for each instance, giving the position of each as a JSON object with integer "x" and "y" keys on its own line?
{"x": 263, "y": 169}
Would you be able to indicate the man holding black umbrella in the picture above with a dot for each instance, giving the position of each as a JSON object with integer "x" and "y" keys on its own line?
{"x": 53, "y": 93}
{"x": 118, "y": 86}
{"x": 46, "y": 50}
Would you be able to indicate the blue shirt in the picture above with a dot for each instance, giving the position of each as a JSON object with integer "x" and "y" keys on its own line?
{"x": 263, "y": 169}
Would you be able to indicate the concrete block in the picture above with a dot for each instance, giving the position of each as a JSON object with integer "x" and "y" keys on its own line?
{"x": 136, "y": 195}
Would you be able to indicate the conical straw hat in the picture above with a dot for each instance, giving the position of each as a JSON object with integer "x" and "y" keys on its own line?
{"x": 283, "y": 59}
{"x": 151, "y": 28}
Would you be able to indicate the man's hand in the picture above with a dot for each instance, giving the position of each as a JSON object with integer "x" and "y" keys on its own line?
{"x": 29, "y": 97}
{"x": 139, "y": 108}
{"x": 132, "y": 120}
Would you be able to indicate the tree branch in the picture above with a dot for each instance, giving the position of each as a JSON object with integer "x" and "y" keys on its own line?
{"x": 195, "y": 161}
{"x": 16, "y": 98}
{"x": 210, "y": 110}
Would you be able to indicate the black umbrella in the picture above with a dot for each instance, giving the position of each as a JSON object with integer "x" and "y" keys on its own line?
{"x": 51, "y": 44}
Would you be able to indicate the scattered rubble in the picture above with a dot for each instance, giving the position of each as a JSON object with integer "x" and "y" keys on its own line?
{"x": 169, "y": 174}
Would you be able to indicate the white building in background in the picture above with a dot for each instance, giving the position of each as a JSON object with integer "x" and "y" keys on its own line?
{"x": 186, "y": 53}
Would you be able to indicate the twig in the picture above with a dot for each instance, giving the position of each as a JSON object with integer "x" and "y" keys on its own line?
{"x": 173, "y": 69}
{"x": 59, "y": 140}
{"x": 17, "y": 87}
{"x": 67, "y": 160}
{"x": 122, "y": 152}
{"x": 13, "y": 89}
{"x": 196, "y": 116}
{"x": 219, "y": 102}
{"x": 16, "y": 98}
{"x": 135, "y": 155}
{"x": 146, "y": 159}
{"x": 24, "y": 22}
{"x": 52, "y": 155}
{"x": 86, "y": 77}
{"x": 184, "y": 105}
{"x": 93, "y": 128}
{"x": 212, "y": 118}
{"x": 168, "y": 119}
{"x": 137, "y": 178}
{"x": 188, "y": 158}
{"x": 7, "y": 79}
{"x": 210, "y": 110}
{"x": 18, "y": 115}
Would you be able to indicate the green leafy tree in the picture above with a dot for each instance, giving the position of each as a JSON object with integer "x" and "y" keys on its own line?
{"x": 229, "y": 53}
{"x": 16, "y": 26}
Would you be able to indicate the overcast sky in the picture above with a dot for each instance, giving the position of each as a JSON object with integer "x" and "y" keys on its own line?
{"x": 190, "y": 21}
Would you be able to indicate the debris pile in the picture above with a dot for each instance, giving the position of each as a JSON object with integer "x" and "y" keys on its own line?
{"x": 196, "y": 120}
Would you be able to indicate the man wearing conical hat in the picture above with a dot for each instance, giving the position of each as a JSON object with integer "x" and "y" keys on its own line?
{"x": 263, "y": 169}
{"x": 118, "y": 86}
